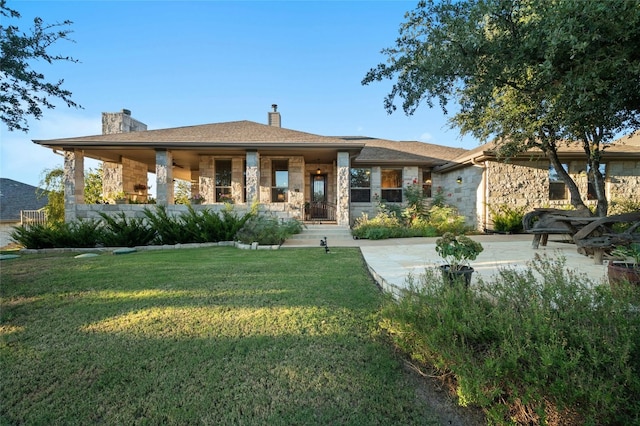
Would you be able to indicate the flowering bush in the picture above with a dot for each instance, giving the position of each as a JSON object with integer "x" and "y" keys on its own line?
{"x": 197, "y": 199}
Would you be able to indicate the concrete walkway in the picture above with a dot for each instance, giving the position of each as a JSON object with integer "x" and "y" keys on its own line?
{"x": 391, "y": 261}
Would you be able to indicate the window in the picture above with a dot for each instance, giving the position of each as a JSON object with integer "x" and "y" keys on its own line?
{"x": 223, "y": 180}
{"x": 591, "y": 189}
{"x": 360, "y": 185}
{"x": 426, "y": 184}
{"x": 391, "y": 185}
{"x": 279, "y": 180}
{"x": 557, "y": 188}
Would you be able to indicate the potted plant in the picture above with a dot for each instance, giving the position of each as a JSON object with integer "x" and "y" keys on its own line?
{"x": 627, "y": 269}
{"x": 197, "y": 199}
{"x": 120, "y": 197}
{"x": 457, "y": 251}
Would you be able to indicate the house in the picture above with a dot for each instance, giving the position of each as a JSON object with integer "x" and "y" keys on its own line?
{"x": 306, "y": 176}
{"x": 18, "y": 202}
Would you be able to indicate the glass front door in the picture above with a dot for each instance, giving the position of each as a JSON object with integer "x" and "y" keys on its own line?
{"x": 319, "y": 196}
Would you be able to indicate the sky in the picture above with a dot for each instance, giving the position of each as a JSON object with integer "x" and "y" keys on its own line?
{"x": 182, "y": 63}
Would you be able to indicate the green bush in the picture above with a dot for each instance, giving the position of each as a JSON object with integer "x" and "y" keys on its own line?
{"x": 446, "y": 219}
{"x": 169, "y": 229}
{"x": 80, "y": 233}
{"x": 507, "y": 219}
{"x": 120, "y": 231}
{"x": 387, "y": 224}
{"x": 267, "y": 230}
{"x": 624, "y": 205}
{"x": 529, "y": 345}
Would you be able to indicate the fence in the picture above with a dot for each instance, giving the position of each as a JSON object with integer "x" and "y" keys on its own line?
{"x": 32, "y": 217}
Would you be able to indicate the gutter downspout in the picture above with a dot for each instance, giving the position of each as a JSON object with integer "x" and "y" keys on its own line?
{"x": 485, "y": 192}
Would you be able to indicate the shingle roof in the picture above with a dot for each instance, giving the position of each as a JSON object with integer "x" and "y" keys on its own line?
{"x": 620, "y": 148}
{"x": 16, "y": 196}
{"x": 406, "y": 152}
{"x": 234, "y": 132}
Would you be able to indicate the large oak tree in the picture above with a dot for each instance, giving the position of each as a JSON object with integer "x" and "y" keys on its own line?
{"x": 24, "y": 91}
{"x": 524, "y": 73}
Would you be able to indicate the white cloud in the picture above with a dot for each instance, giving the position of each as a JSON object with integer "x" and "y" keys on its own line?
{"x": 426, "y": 137}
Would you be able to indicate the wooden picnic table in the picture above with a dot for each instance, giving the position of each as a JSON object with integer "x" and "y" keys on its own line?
{"x": 604, "y": 234}
{"x": 542, "y": 222}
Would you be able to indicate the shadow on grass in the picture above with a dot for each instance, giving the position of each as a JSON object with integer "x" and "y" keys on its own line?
{"x": 205, "y": 337}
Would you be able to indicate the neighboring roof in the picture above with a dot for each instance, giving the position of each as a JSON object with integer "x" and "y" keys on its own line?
{"x": 381, "y": 151}
{"x": 16, "y": 196}
{"x": 234, "y": 133}
{"x": 619, "y": 149}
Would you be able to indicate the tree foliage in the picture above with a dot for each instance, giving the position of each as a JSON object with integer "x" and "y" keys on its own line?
{"x": 52, "y": 187}
{"x": 93, "y": 186}
{"x": 23, "y": 90}
{"x": 526, "y": 73}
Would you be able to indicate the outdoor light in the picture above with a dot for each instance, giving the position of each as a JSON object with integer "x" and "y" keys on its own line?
{"x": 318, "y": 171}
{"x": 323, "y": 243}
{"x": 459, "y": 180}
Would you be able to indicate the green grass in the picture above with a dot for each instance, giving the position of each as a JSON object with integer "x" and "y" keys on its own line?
{"x": 199, "y": 336}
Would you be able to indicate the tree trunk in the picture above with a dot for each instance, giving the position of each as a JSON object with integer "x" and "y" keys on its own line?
{"x": 591, "y": 147}
{"x": 575, "y": 198}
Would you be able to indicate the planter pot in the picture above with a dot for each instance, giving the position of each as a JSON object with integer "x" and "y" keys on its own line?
{"x": 461, "y": 275}
{"x": 623, "y": 272}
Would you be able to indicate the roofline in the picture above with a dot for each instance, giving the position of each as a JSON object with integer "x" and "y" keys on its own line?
{"x": 490, "y": 155}
{"x": 212, "y": 144}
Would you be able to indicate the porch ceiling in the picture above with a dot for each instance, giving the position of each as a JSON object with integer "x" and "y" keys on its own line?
{"x": 187, "y": 160}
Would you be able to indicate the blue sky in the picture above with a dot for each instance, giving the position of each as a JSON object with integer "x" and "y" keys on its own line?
{"x": 196, "y": 62}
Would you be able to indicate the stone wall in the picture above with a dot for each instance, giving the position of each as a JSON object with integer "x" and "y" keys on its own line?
{"x": 120, "y": 122}
{"x": 624, "y": 181}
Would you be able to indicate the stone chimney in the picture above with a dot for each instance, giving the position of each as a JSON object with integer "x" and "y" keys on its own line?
{"x": 120, "y": 122}
{"x": 274, "y": 117}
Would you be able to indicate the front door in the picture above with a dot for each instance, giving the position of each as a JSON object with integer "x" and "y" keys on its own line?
{"x": 318, "y": 196}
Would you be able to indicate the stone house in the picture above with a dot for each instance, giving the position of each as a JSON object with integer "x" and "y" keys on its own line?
{"x": 307, "y": 176}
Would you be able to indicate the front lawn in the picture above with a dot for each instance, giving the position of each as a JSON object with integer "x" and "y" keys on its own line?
{"x": 198, "y": 336}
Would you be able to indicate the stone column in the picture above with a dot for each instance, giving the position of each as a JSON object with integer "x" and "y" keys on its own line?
{"x": 253, "y": 176}
{"x": 73, "y": 182}
{"x": 343, "y": 196}
{"x": 164, "y": 177}
{"x": 206, "y": 180}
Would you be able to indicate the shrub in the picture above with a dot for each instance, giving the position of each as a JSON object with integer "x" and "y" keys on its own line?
{"x": 168, "y": 229}
{"x": 529, "y": 346}
{"x": 624, "y": 205}
{"x": 80, "y": 233}
{"x": 446, "y": 219}
{"x": 267, "y": 230}
{"x": 122, "y": 232}
{"x": 506, "y": 218}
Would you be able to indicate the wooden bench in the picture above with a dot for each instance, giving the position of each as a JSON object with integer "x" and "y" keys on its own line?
{"x": 600, "y": 237}
{"x": 546, "y": 221}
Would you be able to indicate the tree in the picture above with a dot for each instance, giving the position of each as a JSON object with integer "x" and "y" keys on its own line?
{"x": 182, "y": 191}
{"x": 52, "y": 187}
{"x": 23, "y": 91}
{"x": 93, "y": 186}
{"x": 526, "y": 73}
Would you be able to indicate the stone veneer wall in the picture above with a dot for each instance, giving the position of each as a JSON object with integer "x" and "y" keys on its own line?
{"x": 124, "y": 176}
{"x": 624, "y": 183}
{"x": 120, "y": 122}
{"x": 464, "y": 195}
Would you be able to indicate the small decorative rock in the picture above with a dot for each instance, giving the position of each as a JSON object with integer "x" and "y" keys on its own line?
{"x": 85, "y": 255}
{"x": 125, "y": 250}
{"x": 8, "y": 256}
